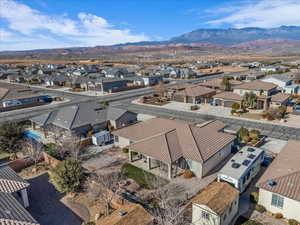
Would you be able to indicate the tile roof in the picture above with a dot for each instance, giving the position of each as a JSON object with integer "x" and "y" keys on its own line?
{"x": 285, "y": 172}
{"x": 280, "y": 97}
{"x": 195, "y": 90}
{"x": 10, "y": 182}
{"x": 168, "y": 140}
{"x": 217, "y": 83}
{"x": 12, "y": 212}
{"x": 83, "y": 114}
{"x": 218, "y": 196}
{"x": 227, "y": 95}
{"x": 14, "y": 91}
{"x": 256, "y": 85}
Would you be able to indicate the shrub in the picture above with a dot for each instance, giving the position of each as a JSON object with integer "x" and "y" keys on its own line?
{"x": 254, "y": 196}
{"x": 242, "y": 132}
{"x": 187, "y": 174}
{"x": 254, "y": 141}
{"x": 246, "y": 139}
{"x": 66, "y": 176}
{"x": 53, "y": 151}
{"x": 293, "y": 222}
{"x": 254, "y": 134}
{"x": 233, "y": 111}
{"x": 278, "y": 215}
{"x": 125, "y": 150}
{"x": 260, "y": 208}
{"x": 89, "y": 223}
{"x": 235, "y": 106}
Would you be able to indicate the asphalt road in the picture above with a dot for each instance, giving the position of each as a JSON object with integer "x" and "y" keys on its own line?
{"x": 23, "y": 114}
{"x": 271, "y": 130}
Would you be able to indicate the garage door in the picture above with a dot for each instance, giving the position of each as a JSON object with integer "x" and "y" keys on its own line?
{"x": 219, "y": 102}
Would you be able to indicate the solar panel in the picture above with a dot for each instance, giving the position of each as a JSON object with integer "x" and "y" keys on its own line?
{"x": 246, "y": 162}
{"x": 251, "y": 156}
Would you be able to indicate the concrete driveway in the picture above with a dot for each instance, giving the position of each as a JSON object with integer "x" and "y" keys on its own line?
{"x": 45, "y": 205}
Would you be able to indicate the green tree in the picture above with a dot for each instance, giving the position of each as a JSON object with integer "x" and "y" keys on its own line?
{"x": 66, "y": 176}
{"x": 249, "y": 100}
{"x": 226, "y": 85}
{"x": 242, "y": 132}
{"x": 11, "y": 137}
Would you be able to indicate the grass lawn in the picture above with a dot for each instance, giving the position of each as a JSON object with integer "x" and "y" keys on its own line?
{"x": 144, "y": 179}
{"x": 254, "y": 116}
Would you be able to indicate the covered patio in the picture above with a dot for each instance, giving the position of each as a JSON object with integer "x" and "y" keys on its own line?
{"x": 157, "y": 167}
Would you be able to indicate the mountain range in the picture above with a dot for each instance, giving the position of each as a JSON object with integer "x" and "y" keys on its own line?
{"x": 281, "y": 40}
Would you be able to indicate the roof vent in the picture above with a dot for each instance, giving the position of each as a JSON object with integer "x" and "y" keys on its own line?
{"x": 235, "y": 165}
{"x": 251, "y": 149}
{"x": 122, "y": 213}
{"x": 271, "y": 183}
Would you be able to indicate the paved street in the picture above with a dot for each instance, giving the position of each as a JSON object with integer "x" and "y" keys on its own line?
{"x": 75, "y": 98}
{"x": 271, "y": 130}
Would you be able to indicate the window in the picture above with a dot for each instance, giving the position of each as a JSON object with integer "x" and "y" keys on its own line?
{"x": 116, "y": 138}
{"x": 205, "y": 215}
{"x": 277, "y": 201}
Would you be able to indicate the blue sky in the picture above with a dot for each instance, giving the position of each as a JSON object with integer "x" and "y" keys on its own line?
{"x": 34, "y": 24}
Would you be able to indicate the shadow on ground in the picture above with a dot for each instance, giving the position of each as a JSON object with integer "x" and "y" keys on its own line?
{"x": 45, "y": 204}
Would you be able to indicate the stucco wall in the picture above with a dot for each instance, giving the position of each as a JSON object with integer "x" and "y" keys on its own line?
{"x": 195, "y": 167}
{"x": 122, "y": 142}
{"x": 197, "y": 218}
{"x": 290, "y": 210}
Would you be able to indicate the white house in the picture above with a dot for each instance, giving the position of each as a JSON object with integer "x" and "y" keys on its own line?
{"x": 283, "y": 82}
{"x": 279, "y": 187}
{"x": 217, "y": 204}
{"x": 242, "y": 168}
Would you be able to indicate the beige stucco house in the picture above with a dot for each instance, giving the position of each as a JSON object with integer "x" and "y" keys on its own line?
{"x": 279, "y": 187}
{"x": 174, "y": 145}
{"x": 217, "y": 204}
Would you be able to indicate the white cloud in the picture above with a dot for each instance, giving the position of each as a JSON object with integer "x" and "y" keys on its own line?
{"x": 262, "y": 13}
{"x": 30, "y": 24}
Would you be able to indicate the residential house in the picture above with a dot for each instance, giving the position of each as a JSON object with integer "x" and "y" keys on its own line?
{"x": 108, "y": 85}
{"x": 217, "y": 204}
{"x": 284, "y": 83}
{"x": 279, "y": 190}
{"x": 152, "y": 80}
{"x": 194, "y": 94}
{"x": 83, "y": 118}
{"x": 167, "y": 146}
{"x": 242, "y": 168}
{"x": 280, "y": 99}
{"x": 14, "y": 199}
{"x": 12, "y": 95}
{"x": 217, "y": 83}
{"x": 263, "y": 91}
{"x": 269, "y": 69}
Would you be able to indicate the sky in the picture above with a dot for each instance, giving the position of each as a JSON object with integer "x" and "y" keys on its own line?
{"x": 40, "y": 24}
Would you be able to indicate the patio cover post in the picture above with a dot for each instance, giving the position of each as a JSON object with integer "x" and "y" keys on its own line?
{"x": 130, "y": 156}
{"x": 149, "y": 162}
{"x": 170, "y": 170}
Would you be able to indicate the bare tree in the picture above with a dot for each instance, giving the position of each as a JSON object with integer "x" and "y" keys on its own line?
{"x": 105, "y": 187}
{"x": 160, "y": 89}
{"x": 33, "y": 150}
{"x": 71, "y": 145}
